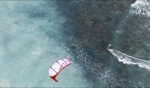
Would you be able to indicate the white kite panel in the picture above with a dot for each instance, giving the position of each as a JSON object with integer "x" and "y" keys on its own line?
{"x": 51, "y": 72}
{"x": 66, "y": 61}
{"x": 57, "y": 67}
{"x": 61, "y": 62}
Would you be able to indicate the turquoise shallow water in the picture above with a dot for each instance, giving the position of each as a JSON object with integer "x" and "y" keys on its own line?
{"x": 33, "y": 35}
{"x": 29, "y": 43}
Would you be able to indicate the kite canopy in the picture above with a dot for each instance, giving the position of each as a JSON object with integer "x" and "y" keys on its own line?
{"x": 57, "y": 67}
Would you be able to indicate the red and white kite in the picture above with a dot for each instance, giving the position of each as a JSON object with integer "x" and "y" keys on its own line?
{"x": 57, "y": 67}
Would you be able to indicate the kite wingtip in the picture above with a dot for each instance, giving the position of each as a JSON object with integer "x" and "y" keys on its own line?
{"x": 54, "y": 78}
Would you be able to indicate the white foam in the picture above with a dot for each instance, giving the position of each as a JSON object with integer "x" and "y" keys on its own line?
{"x": 126, "y": 59}
{"x": 141, "y": 7}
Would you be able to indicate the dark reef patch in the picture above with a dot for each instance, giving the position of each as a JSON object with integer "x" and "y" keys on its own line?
{"x": 93, "y": 25}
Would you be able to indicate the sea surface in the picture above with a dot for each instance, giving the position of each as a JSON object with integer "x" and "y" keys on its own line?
{"x": 31, "y": 40}
{"x": 35, "y": 34}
